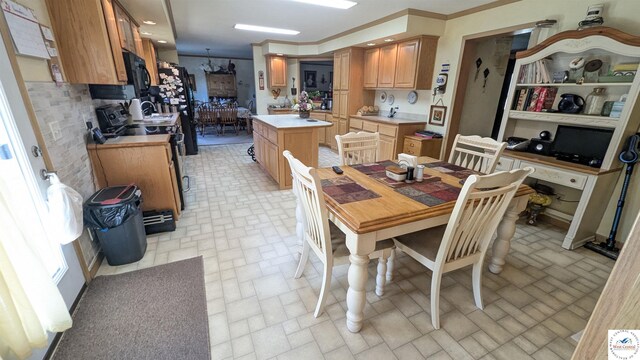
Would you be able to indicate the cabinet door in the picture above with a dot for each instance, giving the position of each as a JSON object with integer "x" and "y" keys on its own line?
{"x": 322, "y": 136}
{"x": 344, "y": 70}
{"x": 343, "y": 126}
{"x": 137, "y": 41}
{"x": 407, "y": 63}
{"x": 387, "y": 148}
{"x": 335, "y": 110}
{"x": 331, "y": 133}
{"x": 150, "y": 60}
{"x": 277, "y": 66}
{"x": 371, "y": 58}
{"x": 344, "y": 100}
{"x": 387, "y": 66}
{"x": 271, "y": 153}
{"x": 108, "y": 8}
{"x": 124, "y": 29}
{"x": 337, "y": 73}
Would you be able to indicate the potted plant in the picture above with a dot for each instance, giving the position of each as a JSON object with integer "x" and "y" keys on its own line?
{"x": 304, "y": 105}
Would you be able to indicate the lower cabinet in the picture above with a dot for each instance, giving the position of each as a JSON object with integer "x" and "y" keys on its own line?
{"x": 141, "y": 160}
{"x": 392, "y": 132}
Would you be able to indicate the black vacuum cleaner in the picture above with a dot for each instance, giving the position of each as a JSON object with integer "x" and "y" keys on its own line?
{"x": 628, "y": 156}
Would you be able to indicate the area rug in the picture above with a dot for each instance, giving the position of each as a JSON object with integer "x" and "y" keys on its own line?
{"x": 154, "y": 313}
{"x": 226, "y": 139}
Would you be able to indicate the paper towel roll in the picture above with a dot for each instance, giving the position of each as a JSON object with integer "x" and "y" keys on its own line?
{"x": 135, "y": 109}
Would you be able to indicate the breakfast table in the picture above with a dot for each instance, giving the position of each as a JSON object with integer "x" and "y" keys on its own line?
{"x": 368, "y": 208}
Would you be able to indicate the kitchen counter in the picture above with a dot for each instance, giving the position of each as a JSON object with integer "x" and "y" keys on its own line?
{"x": 273, "y": 134}
{"x": 132, "y": 141}
{"x": 386, "y": 120}
{"x": 290, "y": 121}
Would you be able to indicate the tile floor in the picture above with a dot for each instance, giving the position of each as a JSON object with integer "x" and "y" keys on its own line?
{"x": 245, "y": 230}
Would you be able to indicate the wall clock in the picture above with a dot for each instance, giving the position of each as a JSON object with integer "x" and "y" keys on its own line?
{"x": 412, "y": 97}
{"x": 391, "y": 99}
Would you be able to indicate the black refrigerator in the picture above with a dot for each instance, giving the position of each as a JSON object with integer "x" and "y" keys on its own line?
{"x": 176, "y": 89}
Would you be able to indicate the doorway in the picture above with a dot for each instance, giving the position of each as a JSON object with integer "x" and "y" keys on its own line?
{"x": 316, "y": 78}
{"x": 486, "y": 67}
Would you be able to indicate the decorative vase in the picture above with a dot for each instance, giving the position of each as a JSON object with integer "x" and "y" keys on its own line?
{"x": 304, "y": 114}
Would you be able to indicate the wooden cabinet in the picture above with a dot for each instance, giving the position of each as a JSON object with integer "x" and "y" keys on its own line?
{"x": 88, "y": 41}
{"x": 320, "y": 115}
{"x": 418, "y": 146}
{"x": 222, "y": 85}
{"x": 595, "y": 185}
{"x": 141, "y": 160}
{"x": 371, "y": 60}
{"x": 150, "y": 60}
{"x": 279, "y": 111}
{"x": 138, "y": 42}
{"x": 392, "y": 132}
{"x": 345, "y": 70}
{"x": 127, "y": 41}
{"x": 277, "y": 71}
{"x": 387, "y": 66}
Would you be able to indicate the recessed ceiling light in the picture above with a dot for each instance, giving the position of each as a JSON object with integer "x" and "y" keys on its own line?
{"x": 340, "y": 4}
{"x": 266, "y": 29}
{"x": 145, "y": 33}
{"x": 149, "y": 22}
{"x": 388, "y": 40}
{"x": 162, "y": 41}
{"x": 371, "y": 44}
{"x": 279, "y": 54}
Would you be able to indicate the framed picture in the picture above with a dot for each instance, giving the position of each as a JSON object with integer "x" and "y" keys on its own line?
{"x": 437, "y": 114}
{"x": 310, "y": 79}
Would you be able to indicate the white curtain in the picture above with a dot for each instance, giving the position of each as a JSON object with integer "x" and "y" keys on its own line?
{"x": 30, "y": 303}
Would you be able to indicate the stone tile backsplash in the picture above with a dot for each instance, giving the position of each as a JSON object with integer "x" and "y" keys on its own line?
{"x": 70, "y": 106}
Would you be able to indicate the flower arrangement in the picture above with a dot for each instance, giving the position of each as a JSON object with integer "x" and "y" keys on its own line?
{"x": 304, "y": 104}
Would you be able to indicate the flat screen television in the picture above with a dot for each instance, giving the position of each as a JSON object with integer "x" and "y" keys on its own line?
{"x": 580, "y": 144}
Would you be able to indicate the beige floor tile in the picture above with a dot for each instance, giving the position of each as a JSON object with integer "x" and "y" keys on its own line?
{"x": 244, "y": 227}
{"x": 510, "y": 351}
{"x": 309, "y": 351}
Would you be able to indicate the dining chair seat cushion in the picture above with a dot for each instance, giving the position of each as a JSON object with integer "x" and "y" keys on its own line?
{"x": 423, "y": 244}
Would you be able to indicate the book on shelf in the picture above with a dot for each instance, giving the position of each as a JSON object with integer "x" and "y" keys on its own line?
{"x": 521, "y": 99}
{"x": 516, "y": 97}
{"x": 536, "y": 72}
{"x": 548, "y": 99}
{"x": 533, "y": 100}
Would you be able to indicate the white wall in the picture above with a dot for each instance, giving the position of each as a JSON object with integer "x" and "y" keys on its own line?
{"x": 244, "y": 76}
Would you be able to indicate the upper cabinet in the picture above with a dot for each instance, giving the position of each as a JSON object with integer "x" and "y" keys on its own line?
{"x": 371, "y": 59}
{"x": 405, "y": 65}
{"x": 150, "y": 60}
{"x": 90, "y": 36}
{"x": 277, "y": 71}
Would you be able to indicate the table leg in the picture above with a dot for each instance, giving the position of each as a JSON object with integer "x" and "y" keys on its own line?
{"x": 356, "y": 295}
{"x": 505, "y": 231}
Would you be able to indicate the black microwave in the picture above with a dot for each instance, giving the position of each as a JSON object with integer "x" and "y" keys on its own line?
{"x": 138, "y": 81}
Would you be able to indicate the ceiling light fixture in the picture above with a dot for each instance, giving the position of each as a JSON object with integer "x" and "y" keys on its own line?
{"x": 162, "y": 41}
{"x": 266, "y": 29}
{"x": 339, "y": 4}
{"x": 388, "y": 40}
{"x": 149, "y": 22}
{"x": 145, "y": 33}
{"x": 371, "y": 44}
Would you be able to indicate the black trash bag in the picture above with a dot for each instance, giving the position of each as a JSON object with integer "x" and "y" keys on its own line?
{"x": 111, "y": 207}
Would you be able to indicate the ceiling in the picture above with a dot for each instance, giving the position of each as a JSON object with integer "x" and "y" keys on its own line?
{"x": 202, "y": 24}
{"x": 157, "y": 11}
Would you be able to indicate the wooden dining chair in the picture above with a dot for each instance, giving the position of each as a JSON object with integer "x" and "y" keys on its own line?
{"x": 476, "y": 153}
{"x": 358, "y": 148}
{"x": 464, "y": 241}
{"x": 321, "y": 236}
{"x": 207, "y": 116}
{"x": 228, "y": 116}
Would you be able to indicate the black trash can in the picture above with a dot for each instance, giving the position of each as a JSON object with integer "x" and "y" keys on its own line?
{"x": 115, "y": 215}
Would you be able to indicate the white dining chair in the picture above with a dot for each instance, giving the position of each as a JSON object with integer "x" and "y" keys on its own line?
{"x": 465, "y": 239}
{"x": 476, "y": 153}
{"x": 358, "y": 148}
{"x": 324, "y": 238}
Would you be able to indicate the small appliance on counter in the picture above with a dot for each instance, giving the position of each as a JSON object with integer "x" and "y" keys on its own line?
{"x": 111, "y": 119}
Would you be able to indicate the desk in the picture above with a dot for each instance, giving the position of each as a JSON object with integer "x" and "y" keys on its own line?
{"x": 393, "y": 214}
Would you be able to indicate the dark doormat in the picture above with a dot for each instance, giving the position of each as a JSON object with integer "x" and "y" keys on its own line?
{"x": 154, "y": 313}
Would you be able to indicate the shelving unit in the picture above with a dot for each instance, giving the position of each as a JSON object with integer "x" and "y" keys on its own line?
{"x": 596, "y": 185}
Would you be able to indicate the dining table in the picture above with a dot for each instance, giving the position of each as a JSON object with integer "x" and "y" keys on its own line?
{"x": 368, "y": 207}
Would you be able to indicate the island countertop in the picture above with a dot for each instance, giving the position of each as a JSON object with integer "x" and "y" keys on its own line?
{"x": 290, "y": 121}
{"x": 387, "y": 120}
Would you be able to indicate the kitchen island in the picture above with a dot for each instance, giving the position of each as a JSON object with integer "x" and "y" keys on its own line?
{"x": 273, "y": 134}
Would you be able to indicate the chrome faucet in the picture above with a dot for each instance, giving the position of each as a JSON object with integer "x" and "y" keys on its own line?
{"x": 392, "y": 112}
{"x": 153, "y": 106}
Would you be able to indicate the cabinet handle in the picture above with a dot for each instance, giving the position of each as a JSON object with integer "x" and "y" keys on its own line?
{"x": 411, "y": 144}
{"x": 572, "y": 180}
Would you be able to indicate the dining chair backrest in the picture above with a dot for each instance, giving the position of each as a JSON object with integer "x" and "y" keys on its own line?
{"x": 358, "y": 148}
{"x": 306, "y": 186}
{"x": 207, "y": 113}
{"x": 481, "y": 205}
{"x": 476, "y": 153}
{"x": 228, "y": 115}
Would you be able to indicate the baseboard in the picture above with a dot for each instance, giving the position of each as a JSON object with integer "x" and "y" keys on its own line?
{"x": 555, "y": 221}
{"x": 96, "y": 265}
